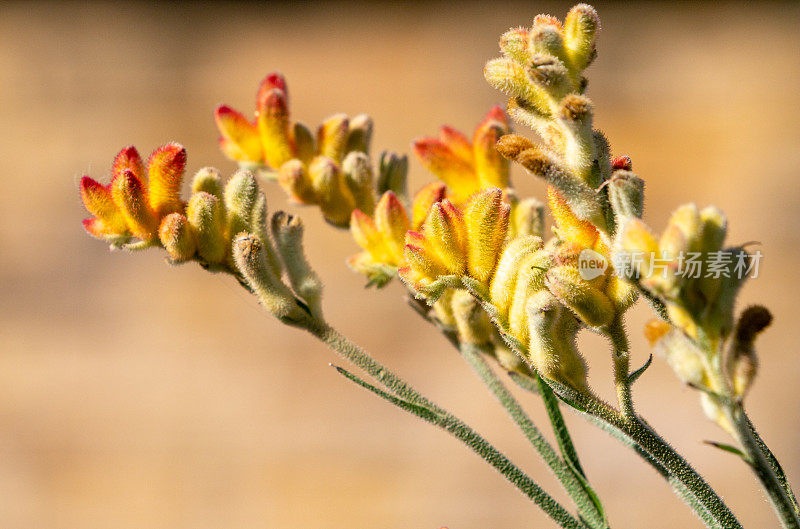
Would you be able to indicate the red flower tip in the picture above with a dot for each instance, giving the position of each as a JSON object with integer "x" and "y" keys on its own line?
{"x": 93, "y": 227}
{"x": 128, "y": 159}
{"x": 622, "y": 162}
{"x": 497, "y": 114}
{"x": 272, "y": 81}
{"x": 172, "y": 156}
{"x": 547, "y": 20}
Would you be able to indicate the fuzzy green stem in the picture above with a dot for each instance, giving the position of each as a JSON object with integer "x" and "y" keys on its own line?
{"x": 622, "y": 363}
{"x": 444, "y": 419}
{"x": 587, "y": 508}
{"x": 778, "y": 496}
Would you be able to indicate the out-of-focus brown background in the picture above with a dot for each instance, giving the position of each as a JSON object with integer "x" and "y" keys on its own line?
{"x": 137, "y": 395}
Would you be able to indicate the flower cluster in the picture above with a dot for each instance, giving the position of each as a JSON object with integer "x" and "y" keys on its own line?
{"x": 332, "y": 171}
{"x": 208, "y": 228}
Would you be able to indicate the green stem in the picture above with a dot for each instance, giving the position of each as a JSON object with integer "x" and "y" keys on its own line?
{"x": 773, "y": 463}
{"x": 586, "y": 504}
{"x": 484, "y": 449}
{"x": 622, "y": 363}
{"x": 644, "y": 436}
{"x": 778, "y": 496}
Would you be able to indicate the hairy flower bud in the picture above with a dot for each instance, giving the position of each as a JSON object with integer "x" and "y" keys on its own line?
{"x": 239, "y": 137}
{"x": 530, "y": 279}
{"x": 551, "y": 346}
{"x": 176, "y": 236}
{"x": 208, "y": 179}
{"x": 392, "y": 221}
{"x": 250, "y": 258}
{"x": 335, "y": 199}
{"x": 205, "y": 216}
{"x": 393, "y": 174}
{"x": 332, "y": 137}
{"x": 528, "y": 217}
{"x": 626, "y": 193}
{"x": 591, "y": 305}
{"x": 511, "y": 78}
{"x": 445, "y": 230}
{"x": 741, "y": 360}
{"x": 359, "y": 179}
{"x": 304, "y": 143}
{"x": 491, "y": 167}
{"x": 514, "y": 45}
{"x": 486, "y": 219}
{"x": 130, "y": 197}
{"x": 503, "y": 284}
{"x": 272, "y": 119}
{"x": 287, "y": 231}
{"x": 580, "y": 26}
{"x": 295, "y": 180}
{"x": 98, "y": 201}
{"x": 240, "y": 198}
{"x": 165, "y": 171}
{"x": 360, "y": 134}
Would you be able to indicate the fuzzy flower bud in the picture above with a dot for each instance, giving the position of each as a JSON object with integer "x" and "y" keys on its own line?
{"x": 360, "y": 134}
{"x": 580, "y": 26}
{"x": 240, "y": 198}
{"x": 359, "y": 179}
{"x": 239, "y": 138}
{"x": 294, "y": 179}
{"x": 304, "y": 143}
{"x": 335, "y": 199}
{"x": 393, "y": 174}
{"x": 250, "y": 259}
{"x": 590, "y": 304}
{"x": 503, "y": 284}
{"x": 176, "y": 236}
{"x": 424, "y": 200}
{"x": 471, "y": 321}
{"x": 130, "y": 197}
{"x": 332, "y": 137}
{"x": 287, "y": 231}
{"x": 204, "y": 214}
{"x": 486, "y": 219}
{"x": 208, "y": 179}
{"x": 444, "y": 228}
{"x": 626, "y": 193}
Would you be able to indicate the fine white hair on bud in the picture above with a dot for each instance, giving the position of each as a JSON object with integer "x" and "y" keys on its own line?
{"x": 287, "y": 230}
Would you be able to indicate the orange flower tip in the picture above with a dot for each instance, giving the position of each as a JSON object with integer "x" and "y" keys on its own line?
{"x": 172, "y": 156}
{"x": 547, "y": 20}
{"x": 128, "y": 158}
{"x": 359, "y": 216}
{"x": 622, "y": 162}
{"x": 272, "y": 81}
{"x": 425, "y": 147}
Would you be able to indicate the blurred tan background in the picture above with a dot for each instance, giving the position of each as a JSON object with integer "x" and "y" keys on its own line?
{"x": 136, "y": 395}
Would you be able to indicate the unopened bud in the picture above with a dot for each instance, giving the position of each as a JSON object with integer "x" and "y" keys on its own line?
{"x": 240, "y": 198}
{"x": 250, "y": 259}
{"x": 130, "y": 198}
{"x": 393, "y": 174}
{"x": 486, "y": 219}
{"x": 359, "y": 179}
{"x": 580, "y": 26}
{"x": 528, "y": 218}
{"x": 176, "y": 236}
{"x": 304, "y": 143}
{"x": 98, "y": 201}
{"x": 530, "y": 279}
{"x": 445, "y": 230}
{"x": 590, "y": 304}
{"x": 490, "y": 166}
{"x": 208, "y": 179}
{"x": 239, "y": 137}
{"x": 294, "y": 179}
{"x": 514, "y": 45}
{"x": 273, "y": 126}
{"x": 332, "y": 137}
{"x": 205, "y": 216}
{"x": 335, "y": 199}
{"x": 360, "y": 134}
{"x": 503, "y": 285}
{"x": 392, "y": 222}
{"x": 626, "y": 193}
{"x": 287, "y": 230}
{"x": 511, "y": 78}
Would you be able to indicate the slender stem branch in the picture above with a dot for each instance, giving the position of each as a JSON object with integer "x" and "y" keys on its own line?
{"x": 586, "y": 505}
{"x": 773, "y": 462}
{"x": 412, "y": 401}
{"x": 622, "y": 363}
{"x": 778, "y": 496}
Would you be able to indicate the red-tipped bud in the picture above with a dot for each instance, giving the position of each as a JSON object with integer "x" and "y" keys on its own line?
{"x": 273, "y": 126}
{"x": 131, "y": 198}
{"x": 165, "y": 169}
{"x": 239, "y": 135}
{"x": 272, "y": 81}
{"x": 392, "y": 222}
{"x": 99, "y": 202}
{"x": 128, "y": 159}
